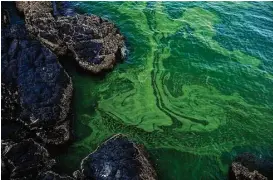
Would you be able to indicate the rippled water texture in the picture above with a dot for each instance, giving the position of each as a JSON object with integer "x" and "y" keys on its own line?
{"x": 196, "y": 87}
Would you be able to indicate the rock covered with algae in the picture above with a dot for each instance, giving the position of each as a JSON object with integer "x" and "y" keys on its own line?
{"x": 95, "y": 43}
{"x": 43, "y": 87}
{"x": 117, "y": 158}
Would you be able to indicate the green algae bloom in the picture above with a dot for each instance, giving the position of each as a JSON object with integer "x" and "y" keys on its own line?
{"x": 188, "y": 97}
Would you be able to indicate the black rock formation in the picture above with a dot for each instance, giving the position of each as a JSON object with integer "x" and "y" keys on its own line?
{"x": 11, "y": 128}
{"x": 117, "y": 158}
{"x": 24, "y": 160}
{"x": 36, "y": 94}
{"x": 95, "y": 43}
{"x": 32, "y": 75}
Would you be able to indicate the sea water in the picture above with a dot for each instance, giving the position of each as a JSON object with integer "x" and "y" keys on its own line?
{"x": 196, "y": 87}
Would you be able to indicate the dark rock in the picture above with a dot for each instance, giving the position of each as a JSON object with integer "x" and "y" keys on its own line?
{"x": 249, "y": 166}
{"x": 95, "y": 43}
{"x": 78, "y": 175}
{"x": 10, "y": 14}
{"x": 63, "y": 8}
{"x": 240, "y": 172}
{"x": 11, "y": 127}
{"x": 25, "y": 160}
{"x": 4, "y": 18}
{"x": 50, "y": 175}
{"x": 116, "y": 158}
{"x": 4, "y": 170}
{"x": 9, "y": 103}
{"x": 44, "y": 88}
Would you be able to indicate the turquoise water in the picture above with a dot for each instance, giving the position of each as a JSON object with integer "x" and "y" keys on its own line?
{"x": 196, "y": 88}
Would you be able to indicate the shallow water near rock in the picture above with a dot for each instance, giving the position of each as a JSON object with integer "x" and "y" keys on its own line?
{"x": 195, "y": 89}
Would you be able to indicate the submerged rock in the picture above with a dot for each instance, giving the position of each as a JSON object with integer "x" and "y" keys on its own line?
{"x": 117, "y": 158}
{"x": 249, "y": 167}
{"x": 95, "y": 43}
{"x": 24, "y": 160}
{"x": 44, "y": 88}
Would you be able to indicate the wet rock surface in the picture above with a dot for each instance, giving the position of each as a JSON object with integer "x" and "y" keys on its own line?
{"x": 116, "y": 158}
{"x": 24, "y": 160}
{"x": 43, "y": 88}
{"x": 95, "y": 43}
{"x": 11, "y": 128}
{"x": 50, "y": 175}
{"x": 37, "y": 92}
{"x": 249, "y": 167}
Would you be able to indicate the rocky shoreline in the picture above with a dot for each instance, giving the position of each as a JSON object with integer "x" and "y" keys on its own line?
{"x": 96, "y": 44}
{"x": 37, "y": 94}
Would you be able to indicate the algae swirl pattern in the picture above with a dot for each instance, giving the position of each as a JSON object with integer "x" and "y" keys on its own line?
{"x": 148, "y": 104}
{"x": 179, "y": 88}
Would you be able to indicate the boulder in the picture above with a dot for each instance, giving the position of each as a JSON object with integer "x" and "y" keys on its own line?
{"x": 240, "y": 172}
{"x": 24, "y": 160}
{"x": 95, "y": 43}
{"x": 248, "y": 166}
{"x": 117, "y": 158}
{"x": 43, "y": 88}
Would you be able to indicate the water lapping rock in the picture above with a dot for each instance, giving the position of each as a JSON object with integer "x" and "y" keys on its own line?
{"x": 117, "y": 158}
{"x": 95, "y": 43}
{"x": 36, "y": 96}
{"x": 249, "y": 167}
{"x": 44, "y": 88}
{"x": 239, "y": 172}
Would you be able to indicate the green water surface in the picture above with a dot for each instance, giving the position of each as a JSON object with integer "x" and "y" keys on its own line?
{"x": 195, "y": 89}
